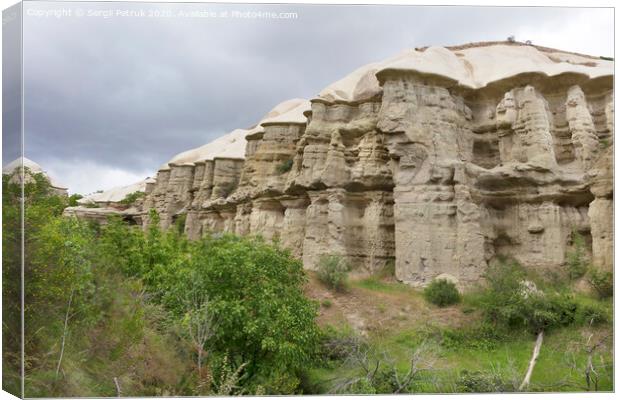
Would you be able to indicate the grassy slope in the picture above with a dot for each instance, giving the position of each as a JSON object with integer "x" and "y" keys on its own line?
{"x": 395, "y": 319}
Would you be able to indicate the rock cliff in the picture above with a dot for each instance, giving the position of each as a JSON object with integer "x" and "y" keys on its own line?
{"x": 438, "y": 159}
{"x": 100, "y": 205}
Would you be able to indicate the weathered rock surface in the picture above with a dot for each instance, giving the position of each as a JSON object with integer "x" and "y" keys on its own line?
{"x": 438, "y": 160}
{"x": 23, "y": 168}
{"x": 99, "y": 206}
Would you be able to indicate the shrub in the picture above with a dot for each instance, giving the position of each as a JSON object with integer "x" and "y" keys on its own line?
{"x": 73, "y": 199}
{"x": 504, "y": 276}
{"x": 375, "y": 373}
{"x": 601, "y": 281}
{"x": 507, "y": 301}
{"x": 388, "y": 270}
{"x": 483, "y": 382}
{"x": 131, "y": 198}
{"x": 179, "y": 223}
{"x": 261, "y": 315}
{"x": 333, "y": 271}
{"x": 339, "y": 344}
{"x": 442, "y": 292}
{"x": 480, "y": 337}
{"x": 591, "y": 313}
{"x": 501, "y": 299}
{"x": 285, "y": 166}
{"x": 577, "y": 258}
{"x": 545, "y": 311}
{"x": 72, "y": 277}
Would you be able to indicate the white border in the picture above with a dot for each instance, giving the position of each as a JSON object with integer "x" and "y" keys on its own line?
{"x": 534, "y": 3}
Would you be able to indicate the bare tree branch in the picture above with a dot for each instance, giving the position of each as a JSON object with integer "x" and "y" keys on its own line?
{"x": 118, "y": 387}
{"x": 64, "y": 333}
{"x": 530, "y": 368}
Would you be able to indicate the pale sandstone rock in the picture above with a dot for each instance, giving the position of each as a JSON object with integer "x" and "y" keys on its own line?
{"x": 438, "y": 159}
{"x": 583, "y": 133}
{"x": 102, "y": 214}
{"x": 600, "y": 211}
{"x": 14, "y": 168}
{"x": 115, "y": 195}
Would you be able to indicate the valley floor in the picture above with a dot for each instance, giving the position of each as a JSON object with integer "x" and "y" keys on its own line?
{"x": 395, "y": 320}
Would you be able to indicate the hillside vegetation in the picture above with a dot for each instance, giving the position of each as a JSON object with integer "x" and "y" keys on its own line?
{"x": 458, "y": 348}
{"x": 114, "y": 310}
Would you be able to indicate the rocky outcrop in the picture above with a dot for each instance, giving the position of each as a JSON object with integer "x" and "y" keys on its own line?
{"x": 437, "y": 160}
{"x": 23, "y": 169}
{"x": 600, "y": 211}
{"x": 126, "y": 201}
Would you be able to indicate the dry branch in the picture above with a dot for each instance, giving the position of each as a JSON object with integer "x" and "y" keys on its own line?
{"x": 64, "y": 333}
{"x": 530, "y": 368}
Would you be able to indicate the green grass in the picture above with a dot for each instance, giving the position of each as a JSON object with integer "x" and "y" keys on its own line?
{"x": 475, "y": 348}
{"x": 377, "y": 284}
{"x": 559, "y": 368}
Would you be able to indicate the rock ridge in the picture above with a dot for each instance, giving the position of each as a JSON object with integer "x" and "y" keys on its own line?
{"x": 437, "y": 160}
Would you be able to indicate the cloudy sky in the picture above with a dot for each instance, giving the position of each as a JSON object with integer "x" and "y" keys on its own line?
{"x": 109, "y": 99}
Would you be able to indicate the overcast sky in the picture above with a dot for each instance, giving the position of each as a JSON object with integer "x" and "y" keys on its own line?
{"x": 108, "y": 100}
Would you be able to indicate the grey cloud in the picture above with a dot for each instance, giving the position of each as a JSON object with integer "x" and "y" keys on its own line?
{"x": 132, "y": 92}
{"x": 11, "y": 88}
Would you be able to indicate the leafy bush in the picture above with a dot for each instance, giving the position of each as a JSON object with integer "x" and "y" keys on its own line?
{"x": 501, "y": 299}
{"x": 339, "y": 344}
{"x": 374, "y": 372}
{"x": 42, "y": 207}
{"x": 601, "y": 281}
{"x": 540, "y": 312}
{"x": 481, "y": 337}
{"x": 442, "y": 292}
{"x": 577, "y": 258}
{"x": 131, "y": 198}
{"x": 508, "y": 301}
{"x": 483, "y": 382}
{"x": 333, "y": 271}
{"x": 179, "y": 223}
{"x": 362, "y": 386}
{"x": 261, "y": 318}
{"x": 285, "y": 166}
{"x": 592, "y": 312}
{"x": 255, "y": 291}
{"x": 86, "y": 320}
{"x": 73, "y": 199}
{"x": 126, "y": 292}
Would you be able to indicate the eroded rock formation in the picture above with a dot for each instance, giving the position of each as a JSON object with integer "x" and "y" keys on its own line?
{"x": 438, "y": 160}
{"x": 100, "y": 205}
{"x": 24, "y": 168}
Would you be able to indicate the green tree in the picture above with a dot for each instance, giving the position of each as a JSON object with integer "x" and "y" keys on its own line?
{"x": 73, "y": 199}
{"x": 262, "y": 317}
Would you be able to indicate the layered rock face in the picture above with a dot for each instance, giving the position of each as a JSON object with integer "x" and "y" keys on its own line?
{"x": 437, "y": 160}
{"x": 99, "y": 206}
